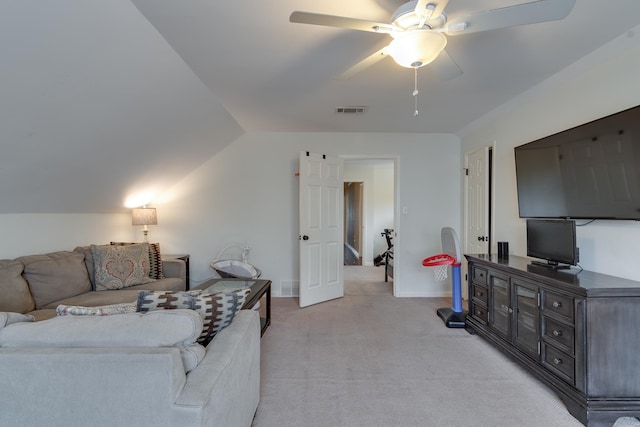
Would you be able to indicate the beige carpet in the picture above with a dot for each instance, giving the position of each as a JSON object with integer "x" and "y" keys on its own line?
{"x": 370, "y": 359}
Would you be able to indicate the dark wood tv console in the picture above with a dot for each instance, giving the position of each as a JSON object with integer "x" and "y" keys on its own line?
{"x": 577, "y": 331}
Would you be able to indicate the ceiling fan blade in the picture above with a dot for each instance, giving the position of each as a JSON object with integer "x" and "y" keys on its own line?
{"x": 522, "y": 14}
{"x": 365, "y": 63}
{"x": 429, "y": 9}
{"x": 440, "y": 5}
{"x": 445, "y": 67}
{"x": 422, "y": 12}
{"x": 340, "y": 22}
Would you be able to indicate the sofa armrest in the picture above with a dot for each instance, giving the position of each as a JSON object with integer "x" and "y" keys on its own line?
{"x": 226, "y": 383}
{"x": 175, "y": 268}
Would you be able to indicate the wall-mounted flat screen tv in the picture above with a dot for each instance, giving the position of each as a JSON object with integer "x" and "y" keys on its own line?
{"x": 588, "y": 172}
{"x": 552, "y": 240}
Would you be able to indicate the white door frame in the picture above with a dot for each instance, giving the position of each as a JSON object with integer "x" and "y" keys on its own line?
{"x": 490, "y": 207}
{"x": 397, "y": 238}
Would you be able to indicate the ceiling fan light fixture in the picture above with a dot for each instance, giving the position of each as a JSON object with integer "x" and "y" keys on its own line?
{"x": 417, "y": 48}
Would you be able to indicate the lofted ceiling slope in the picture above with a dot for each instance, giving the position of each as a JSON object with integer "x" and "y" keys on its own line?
{"x": 96, "y": 107}
{"x": 100, "y": 101}
{"x": 273, "y": 75}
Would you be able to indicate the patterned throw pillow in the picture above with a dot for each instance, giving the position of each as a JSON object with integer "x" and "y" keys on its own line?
{"x": 155, "y": 259}
{"x": 216, "y": 310}
{"x": 104, "y": 310}
{"x": 117, "y": 267}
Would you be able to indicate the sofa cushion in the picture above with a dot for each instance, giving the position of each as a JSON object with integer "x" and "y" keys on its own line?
{"x": 217, "y": 310}
{"x": 120, "y": 296}
{"x": 176, "y": 328}
{"x": 155, "y": 259}
{"x": 43, "y": 314}
{"x": 14, "y": 291}
{"x": 117, "y": 267}
{"x": 102, "y": 310}
{"x": 88, "y": 262}
{"x": 55, "y": 276}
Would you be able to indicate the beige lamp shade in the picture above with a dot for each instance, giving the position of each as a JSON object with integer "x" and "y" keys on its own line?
{"x": 144, "y": 216}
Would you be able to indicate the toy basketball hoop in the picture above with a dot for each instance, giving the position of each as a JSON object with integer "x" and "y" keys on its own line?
{"x": 440, "y": 263}
{"x": 454, "y": 316}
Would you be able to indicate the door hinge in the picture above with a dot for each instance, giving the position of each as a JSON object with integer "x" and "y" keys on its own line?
{"x": 466, "y": 171}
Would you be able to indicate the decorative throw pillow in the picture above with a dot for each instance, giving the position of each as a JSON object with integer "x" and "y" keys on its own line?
{"x": 155, "y": 259}
{"x": 216, "y": 310}
{"x": 117, "y": 267}
{"x": 104, "y": 310}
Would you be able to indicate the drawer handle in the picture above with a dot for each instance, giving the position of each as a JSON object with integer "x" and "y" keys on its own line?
{"x": 557, "y": 361}
{"x": 557, "y": 304}
{"x": 557, "y": 333}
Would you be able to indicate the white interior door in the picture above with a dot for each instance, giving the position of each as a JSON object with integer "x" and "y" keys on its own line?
{"x": 477, "y": 203}
{"x": 321, "y": 228}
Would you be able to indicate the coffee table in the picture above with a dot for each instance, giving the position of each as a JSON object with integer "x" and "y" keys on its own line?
{"x": 260, "y": 292}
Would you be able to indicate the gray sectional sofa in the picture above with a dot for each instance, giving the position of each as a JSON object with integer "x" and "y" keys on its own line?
{"x": 142, "y": 369}
{"x": 37, "y": 284}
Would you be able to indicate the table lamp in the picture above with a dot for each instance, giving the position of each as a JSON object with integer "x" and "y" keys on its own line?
{"x": 144, "y": 216}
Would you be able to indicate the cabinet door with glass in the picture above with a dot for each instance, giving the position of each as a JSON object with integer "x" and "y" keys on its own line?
{"x": 500, "y": 304}
{"x": 526, "y": 318}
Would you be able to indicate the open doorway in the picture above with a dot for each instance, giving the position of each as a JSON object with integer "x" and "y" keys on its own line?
{"x": 370, "y": 201}
{"x": 353, "y": 222}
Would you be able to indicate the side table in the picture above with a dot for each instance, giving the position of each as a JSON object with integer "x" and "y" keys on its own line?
{"x": 183, "y": 257}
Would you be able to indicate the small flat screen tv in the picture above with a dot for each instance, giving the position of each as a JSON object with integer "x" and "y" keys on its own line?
{"x": 588, "y": 172}
{"x": 553, "y": 241}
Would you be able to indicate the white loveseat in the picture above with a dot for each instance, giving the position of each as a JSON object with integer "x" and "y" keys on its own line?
{"x": 130, "y": 369}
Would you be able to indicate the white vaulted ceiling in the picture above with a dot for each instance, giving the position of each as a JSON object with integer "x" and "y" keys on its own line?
{"x": 99, "y": 99}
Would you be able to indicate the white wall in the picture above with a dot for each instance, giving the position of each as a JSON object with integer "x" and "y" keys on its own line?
{"x": 383, "y": 206}
{"x": 249, "y": 193}
{"x": 600, "y": 84}
{"x": 30, "y": 234}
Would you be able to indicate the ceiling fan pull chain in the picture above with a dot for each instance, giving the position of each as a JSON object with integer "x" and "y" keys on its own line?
{"x": 415, "y": 91}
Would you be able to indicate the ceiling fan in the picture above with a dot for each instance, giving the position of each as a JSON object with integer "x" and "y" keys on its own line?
{"x": 418, "y": 30}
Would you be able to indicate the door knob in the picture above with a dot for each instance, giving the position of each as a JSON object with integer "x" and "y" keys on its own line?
{"x": 482, "y": 238}
{"x": 305, "y": 237}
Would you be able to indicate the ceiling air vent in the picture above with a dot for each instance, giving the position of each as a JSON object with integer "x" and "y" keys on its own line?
{"x": 351, "y": 110}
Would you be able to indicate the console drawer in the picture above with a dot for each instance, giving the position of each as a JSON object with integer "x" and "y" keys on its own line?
{"x": 559, "y": 363}
{"x": 557, "y": 303}
{"x": 480, "y": 293}
{"x": 479, "y": 275}
{"x": 559, "y": 333}
{"x": 479, "y": 313}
